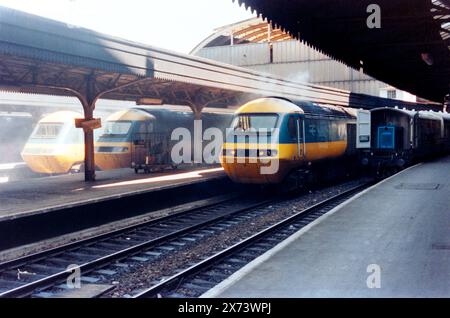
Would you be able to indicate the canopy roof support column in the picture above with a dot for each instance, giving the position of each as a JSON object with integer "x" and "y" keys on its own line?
{"x": 89, "y": 155}
{"x": 88, "y": 99}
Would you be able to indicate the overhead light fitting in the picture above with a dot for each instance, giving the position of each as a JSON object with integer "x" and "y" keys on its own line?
{"x": 149, "y": 101}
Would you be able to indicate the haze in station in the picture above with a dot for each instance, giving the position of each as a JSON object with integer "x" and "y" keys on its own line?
{"x": 175, "y": 25}
{"x": 171, "y": 24}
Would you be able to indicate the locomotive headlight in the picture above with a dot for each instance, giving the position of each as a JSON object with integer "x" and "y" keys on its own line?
{"x": 229, "y": 152}
{"x": 268, "y": 153}
{"x": 272, "y": 152}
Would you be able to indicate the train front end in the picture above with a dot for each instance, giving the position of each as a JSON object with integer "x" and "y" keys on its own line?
{"x": 393, "y": 138}
{"x": 257, "y": 148}
{"x": 55, "y": 145}
{"x": 114, "y": 147}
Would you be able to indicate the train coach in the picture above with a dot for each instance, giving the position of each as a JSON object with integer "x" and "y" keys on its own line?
{"x": 275, "y": 139}
{"x": 140, "y": 137}
{"x": 400, "y": 137}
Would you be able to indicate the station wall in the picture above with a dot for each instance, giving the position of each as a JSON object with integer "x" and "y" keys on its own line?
{"x": 296, "y": 61}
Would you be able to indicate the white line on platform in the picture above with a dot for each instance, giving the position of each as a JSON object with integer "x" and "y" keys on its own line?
{"x": 170, "y": 177}
{"x": 237, "y": 276}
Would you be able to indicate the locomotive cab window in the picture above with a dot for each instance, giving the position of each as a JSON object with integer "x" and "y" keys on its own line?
{"x": 117, "y": 128}
{"x": 48, "y": 130}
{"x": 245, "y": 122}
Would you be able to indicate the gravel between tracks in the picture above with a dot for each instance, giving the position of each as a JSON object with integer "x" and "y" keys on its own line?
{"x": 41, "y": 246}
{"x": 143, "y": 275}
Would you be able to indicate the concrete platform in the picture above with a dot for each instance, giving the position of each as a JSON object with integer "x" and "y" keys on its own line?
{"x": 400, "y": 227}
{"x": 31, "y": 196}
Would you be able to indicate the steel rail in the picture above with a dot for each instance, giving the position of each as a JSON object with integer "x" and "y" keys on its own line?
{"x": 208, "y": 262}
{"x": 29, "y": 288}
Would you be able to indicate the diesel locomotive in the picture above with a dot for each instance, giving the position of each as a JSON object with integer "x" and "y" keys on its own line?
{"x": 55, "y": 146}
{"x": 273, "y": 139}
{"x": 140, "y": 137}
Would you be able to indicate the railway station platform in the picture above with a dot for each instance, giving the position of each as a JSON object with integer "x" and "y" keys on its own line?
{"x": 392, "y": 240}
{"x": 32, "y": 196}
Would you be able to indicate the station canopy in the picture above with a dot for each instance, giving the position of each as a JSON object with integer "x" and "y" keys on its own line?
{"x": 253, "y": 30}
{"x": 410, "y": 50}
{"x": 43, "y": 56}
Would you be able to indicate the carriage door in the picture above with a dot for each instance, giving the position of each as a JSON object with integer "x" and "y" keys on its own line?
{"x": 301, "y": 145}
{"x": 296, "y": 133}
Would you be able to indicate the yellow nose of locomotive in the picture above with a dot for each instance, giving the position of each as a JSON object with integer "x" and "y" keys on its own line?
{"x": 113, "y": 155}
{"x": 256, "y": 148}
{"x": 254, "y": 163}
{"x": 52, "y": 159}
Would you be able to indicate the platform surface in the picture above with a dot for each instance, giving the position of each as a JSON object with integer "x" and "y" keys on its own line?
{"x": 25, "y": 197}
{"x": 402, "y": 226}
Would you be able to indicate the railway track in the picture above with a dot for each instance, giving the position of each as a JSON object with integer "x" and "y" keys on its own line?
{"x": 45, "y": 274}
{"x": 202, "y": 276}
{"x": 30, "y": 275}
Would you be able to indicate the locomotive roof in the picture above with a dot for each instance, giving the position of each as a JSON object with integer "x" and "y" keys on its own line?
{"x": 182, "y": 108}
{"x": 314, "y": 109}
{"x": 412, "y": 113}
{"x": 269, "y": 105}
{"x": 61, "y": 116}
{"x": 283, "y": 105}
{"x": 131, "y": 114}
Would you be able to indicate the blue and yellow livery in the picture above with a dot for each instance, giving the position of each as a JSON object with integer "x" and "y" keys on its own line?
{"x": 270, "y": 138}
{"x": 140, "y": 136}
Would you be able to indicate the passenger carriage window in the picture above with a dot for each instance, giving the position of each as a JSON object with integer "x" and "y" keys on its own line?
{"x": 311, "y": 130}
{"x": 342, "y": 130}
{"x": 334, "y": 130}
{"x": 323, "y": 131}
